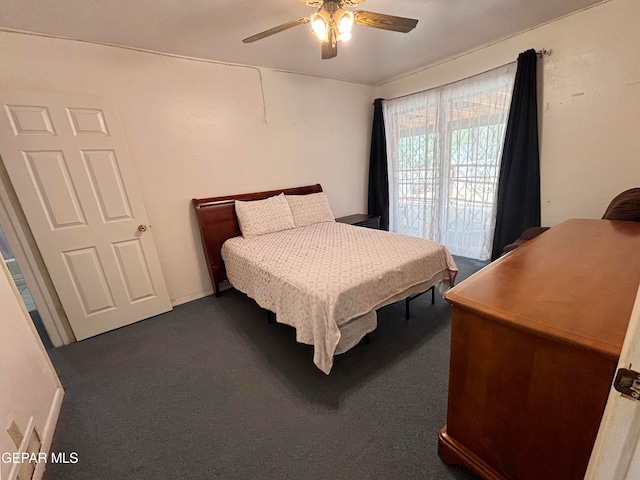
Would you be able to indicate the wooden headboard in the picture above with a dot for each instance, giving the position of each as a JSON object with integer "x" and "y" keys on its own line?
{"x": 218, "y": 222}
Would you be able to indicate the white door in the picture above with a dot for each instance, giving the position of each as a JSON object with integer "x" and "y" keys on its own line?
{"x": 69, "y": 163}
{"x": 616, "y": 454}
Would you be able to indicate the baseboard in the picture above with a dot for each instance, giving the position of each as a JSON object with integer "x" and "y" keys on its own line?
{"x": 46, "y": 435}
{"x": 191, "y": 298}
{"x": 24, "y": 447}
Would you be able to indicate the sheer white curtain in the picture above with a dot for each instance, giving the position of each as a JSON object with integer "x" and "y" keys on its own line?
{"x": 443, "y": 148}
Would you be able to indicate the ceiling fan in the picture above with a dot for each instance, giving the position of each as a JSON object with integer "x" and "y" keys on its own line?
{"x": 333, "y": 23}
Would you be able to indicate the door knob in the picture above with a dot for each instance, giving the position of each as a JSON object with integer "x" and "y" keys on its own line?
{"x": 142, "y": 228}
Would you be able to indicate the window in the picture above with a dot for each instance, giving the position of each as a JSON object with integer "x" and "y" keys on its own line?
{"x": 444, "y": 147}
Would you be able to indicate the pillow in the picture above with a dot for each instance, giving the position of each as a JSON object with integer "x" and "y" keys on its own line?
{"x": 309, "y": 209}
{"x": 257, "y": 217}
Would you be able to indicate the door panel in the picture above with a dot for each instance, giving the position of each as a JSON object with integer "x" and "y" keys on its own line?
{"x": 68, "y": 161}
{"x": 52, "y": 183}
{"x": 106, "y": 182}
{"x": 30, "y": 120}
{"x": 134, "y": 270}
{"x": 89, "y": 280}
{"x": 87, "y": 121}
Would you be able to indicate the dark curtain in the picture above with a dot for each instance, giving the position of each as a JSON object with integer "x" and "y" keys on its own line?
{"x": 518, "y": 197}
{"x": 378, "y": 176}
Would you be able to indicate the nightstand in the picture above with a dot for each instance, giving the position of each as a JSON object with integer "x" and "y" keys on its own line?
{"x": 361, "y": 220}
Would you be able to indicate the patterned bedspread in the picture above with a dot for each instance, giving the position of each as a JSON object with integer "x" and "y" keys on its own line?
{"x": 321, "y": 277}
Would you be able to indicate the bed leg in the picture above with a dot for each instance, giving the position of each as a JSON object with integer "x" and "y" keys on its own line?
{"x": 270, "y": 317}
{"x": 407, "y": 313}
{"x": 367, "y": 339}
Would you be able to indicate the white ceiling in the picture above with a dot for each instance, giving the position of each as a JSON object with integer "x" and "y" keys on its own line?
{"x": 214, "y": 29}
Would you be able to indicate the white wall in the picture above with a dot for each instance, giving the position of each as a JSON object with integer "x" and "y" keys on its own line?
{"x": 590, "y": 103}
{"x": 201, "y": 129}
{"x": 30, "y": 391}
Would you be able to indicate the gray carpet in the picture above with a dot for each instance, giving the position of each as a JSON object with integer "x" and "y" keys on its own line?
{"x": 211, "y": 390}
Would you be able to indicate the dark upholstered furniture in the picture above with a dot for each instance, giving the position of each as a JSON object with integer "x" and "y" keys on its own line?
{"x": 625, "y": 206}
{"x": 527, "y": 235}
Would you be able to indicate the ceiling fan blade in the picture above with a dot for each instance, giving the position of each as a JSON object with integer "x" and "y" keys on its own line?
{"x": 278, "y": 29}
{"x": 351, "y": 3}
{"x": 330, "y": 47}
{"x": 342, "y": 3}
{"x": 385, "y": 22}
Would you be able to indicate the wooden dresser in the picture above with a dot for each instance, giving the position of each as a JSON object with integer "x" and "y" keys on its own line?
{"x": 536, "y": 336}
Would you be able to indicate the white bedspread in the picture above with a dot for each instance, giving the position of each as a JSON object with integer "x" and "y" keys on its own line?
{"x": 319, "y": 278}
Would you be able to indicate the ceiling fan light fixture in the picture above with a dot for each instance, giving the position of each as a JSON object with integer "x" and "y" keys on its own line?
{"x": 344, "y": 19}
{"x": 344, "y": 37}
{"x": 332, "y": 23}
{"x": 320, "y": 23}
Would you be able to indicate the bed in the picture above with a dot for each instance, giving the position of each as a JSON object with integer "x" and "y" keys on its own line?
{"x": 326, "y": 279}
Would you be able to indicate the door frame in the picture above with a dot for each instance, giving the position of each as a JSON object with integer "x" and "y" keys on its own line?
{"x": 18, "y": 235}
{"x": 616, "y": 453}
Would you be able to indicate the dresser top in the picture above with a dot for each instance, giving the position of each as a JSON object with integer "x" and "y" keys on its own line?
{"x": 576, "y": 282}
